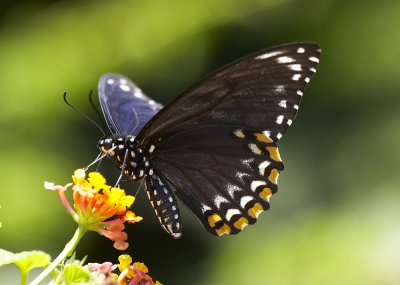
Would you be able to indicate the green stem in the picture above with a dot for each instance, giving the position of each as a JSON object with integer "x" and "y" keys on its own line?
{"x": 24, "y": 277}
{"x": 67, "y": 251}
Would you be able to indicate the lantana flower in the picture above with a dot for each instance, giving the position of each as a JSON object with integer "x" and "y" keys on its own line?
{"x": 132, "y": 273}
{"x": 97, "y": 206}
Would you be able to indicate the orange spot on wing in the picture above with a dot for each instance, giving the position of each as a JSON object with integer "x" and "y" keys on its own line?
{"x": 213, "y": 219}
{"x": 274, "y": 153}
{"x": 263, "y": 138}
{"x": 225, "y": 229}
{"x": 255, "y": 210}
{"x": 241, "y": 223}
{"x": 265, "y": 194}
{"x": 273, "y": 176}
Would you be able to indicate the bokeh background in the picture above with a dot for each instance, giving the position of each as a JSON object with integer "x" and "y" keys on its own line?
{"x": 335, "y": 219}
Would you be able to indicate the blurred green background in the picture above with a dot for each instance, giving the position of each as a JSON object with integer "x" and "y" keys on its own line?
{"x": 335, "y": 219}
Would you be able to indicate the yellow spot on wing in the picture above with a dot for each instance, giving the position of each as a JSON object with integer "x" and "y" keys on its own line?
{"x": 273, "y": 176}
{"x": 213, "y": 219}
{"x": 273, "y": 153}
{"x": 263, "y": 138}
{"x": 255, "y": 210}
{"x": 225, "y": 229}
{"x": 241, "y": 223}
{"x": 266, "y": 194}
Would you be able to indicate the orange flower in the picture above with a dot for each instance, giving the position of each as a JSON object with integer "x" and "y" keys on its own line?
{"x": 98, "y": 206}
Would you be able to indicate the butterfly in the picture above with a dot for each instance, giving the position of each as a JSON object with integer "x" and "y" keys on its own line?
{"x": 214, "y": 146}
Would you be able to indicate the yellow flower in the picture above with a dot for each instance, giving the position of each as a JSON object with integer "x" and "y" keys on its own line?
{"x": 98, "y": 206}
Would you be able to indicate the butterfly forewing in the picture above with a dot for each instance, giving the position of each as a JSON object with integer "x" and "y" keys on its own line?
{"x": 125, "y": 107}
{"x": 262, "y": 91}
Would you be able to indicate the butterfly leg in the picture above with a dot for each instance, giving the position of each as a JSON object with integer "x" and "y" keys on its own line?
{"x": 123, "y": 167}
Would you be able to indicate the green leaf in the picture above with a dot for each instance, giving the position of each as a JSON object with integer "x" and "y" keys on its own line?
{"x": 28, "y": 260}
{"x": 6, "y": 257}
{"x": 74, "y": 272}
{"x": 25, "y": 260}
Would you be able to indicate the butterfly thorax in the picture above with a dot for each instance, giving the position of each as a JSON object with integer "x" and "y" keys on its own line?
{"x": 126, "y": 155}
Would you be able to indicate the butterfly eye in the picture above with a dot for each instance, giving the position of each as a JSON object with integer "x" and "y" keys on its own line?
{"x": 105, "y": 145}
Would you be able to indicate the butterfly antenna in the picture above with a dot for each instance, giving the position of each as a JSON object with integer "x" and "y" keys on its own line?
{"x": 100, "y": 157}
{"x": 96, "y": 110}
{"x": 82, "y": 113}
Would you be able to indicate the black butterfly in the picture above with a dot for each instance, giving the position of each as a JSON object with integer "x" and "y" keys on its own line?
{"x": 214, "y": 146}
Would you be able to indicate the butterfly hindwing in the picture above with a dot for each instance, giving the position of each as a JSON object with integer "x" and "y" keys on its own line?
{"x": 125, "y": 107}
{"x": 225, "y": 175}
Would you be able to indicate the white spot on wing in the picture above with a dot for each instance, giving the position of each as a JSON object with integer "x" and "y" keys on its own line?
{"x": 125, "y": 88}
{"x": 204, "y": 208}
{"x": 232, "y": 189}
{"x": 285, "y": 59}
{"x": 307, "y": 79}
{"x": 267, "y": 134}
{"x": 279, "y": 135}
{"x": 151, "y": 149}
{"x": 299, "y": 92}
{"x": 254, "y": 148}
{"x": 312, "y": 69}
{"x": 231, "y": 212}
{"x": 110, "y": 81}
{"x": 246, "y": 162}
{"x": 239, "y": 133}
{"x": 176, "y": 235}
{"x": 279, "y": 88}
{"x": 262, "y": 166}
{"x": 169, "y": 226}
{"x": 313, "y": 58}
{"x": 255, "y": 184}
{"x": 289, "y": 122}
{"x": 296, "y": 77}
{"x": 244, "y": 200}
{"x": 282, "y": 103}
{"x": 279, "y": 119}
{"x": 123, "y": 81}
{"x": 138, "y": 93}
{"x": 295, "y": 67}
{"x": 296, "y": 107}
{"x": 300, "y": 50}
{"x": 269, "y": 54}
{"x": 218, "y": 200}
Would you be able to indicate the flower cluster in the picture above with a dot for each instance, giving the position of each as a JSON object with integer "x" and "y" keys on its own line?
{"x": 98, "y": 206}
{"x": 131, "y": 273}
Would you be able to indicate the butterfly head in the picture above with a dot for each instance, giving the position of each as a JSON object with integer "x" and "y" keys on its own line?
{"x": 106, "y": 145}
